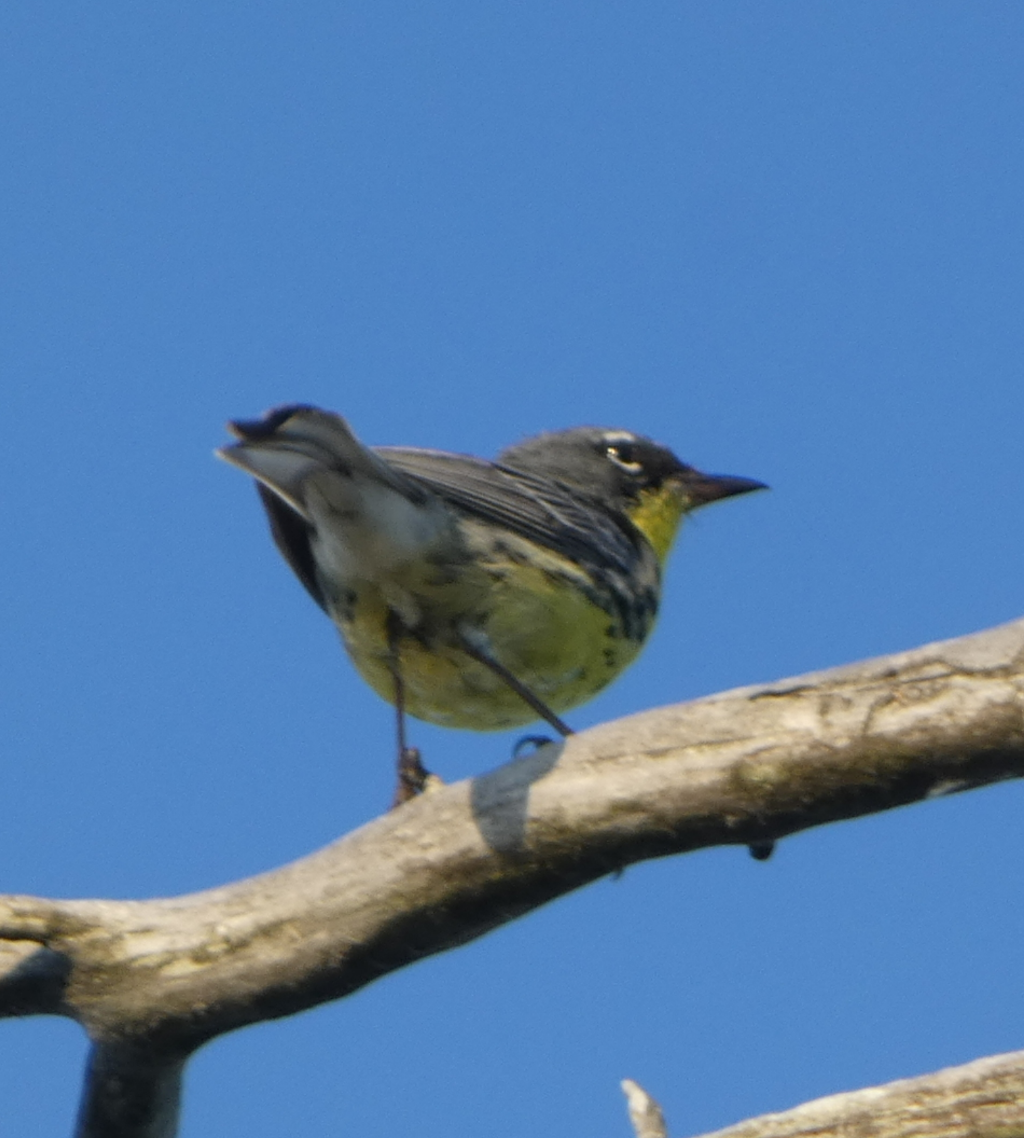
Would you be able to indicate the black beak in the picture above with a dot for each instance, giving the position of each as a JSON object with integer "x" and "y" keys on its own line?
{"x": 704, "y": 488}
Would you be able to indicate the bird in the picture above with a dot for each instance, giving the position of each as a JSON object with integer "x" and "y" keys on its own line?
{"x": 473, "y": 593}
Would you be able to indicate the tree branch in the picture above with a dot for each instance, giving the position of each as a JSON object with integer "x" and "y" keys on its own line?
{"x": 983, "y": 1099}
{"x": 130, "y": 1092}
{"x": 162, "y": 977}
{"x": 644, "y": 1113}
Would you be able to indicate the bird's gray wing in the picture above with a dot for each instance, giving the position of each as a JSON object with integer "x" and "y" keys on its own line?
{"x": 293, "y": 537}
{"x": 539, "y": 509}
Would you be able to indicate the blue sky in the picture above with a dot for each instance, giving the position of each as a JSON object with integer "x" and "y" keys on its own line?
{"x": 785, "y": 239}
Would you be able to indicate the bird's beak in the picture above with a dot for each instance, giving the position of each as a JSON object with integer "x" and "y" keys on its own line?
{"x": 701, "y": 488}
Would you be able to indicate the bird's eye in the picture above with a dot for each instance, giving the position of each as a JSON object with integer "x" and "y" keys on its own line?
{"x": 623, "y": 454}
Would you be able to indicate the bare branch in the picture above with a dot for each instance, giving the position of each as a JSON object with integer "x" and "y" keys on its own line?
{"x": 158, "y": 978}
{"x": 130, "y": 1092}
{"x": 984, "y": 1099}
{"x": 644, "y": 1113}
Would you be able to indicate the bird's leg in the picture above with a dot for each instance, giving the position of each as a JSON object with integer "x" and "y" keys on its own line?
{"x": 412, "y": 774}
{"x": 476, "y": 646}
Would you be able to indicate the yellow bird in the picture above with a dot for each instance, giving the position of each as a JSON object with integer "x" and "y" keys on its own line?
{"x": 472, "y": 593}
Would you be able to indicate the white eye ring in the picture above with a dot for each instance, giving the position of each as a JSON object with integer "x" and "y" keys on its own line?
{"x": 612, "y": 452}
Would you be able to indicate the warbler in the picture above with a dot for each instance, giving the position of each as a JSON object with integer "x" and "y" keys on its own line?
{"x": 472, "y": 593}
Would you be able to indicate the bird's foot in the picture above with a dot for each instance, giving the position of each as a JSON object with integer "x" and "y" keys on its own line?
{"x": 528, "y": 744}
{"x": 413, "y": 777}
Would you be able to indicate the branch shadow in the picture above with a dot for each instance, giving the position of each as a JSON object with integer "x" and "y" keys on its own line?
{"x": 500, "y": 799}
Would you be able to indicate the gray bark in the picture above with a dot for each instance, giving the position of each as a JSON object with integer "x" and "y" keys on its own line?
{"x": 152, "y": 980}
{"x": 983, "y": 1099}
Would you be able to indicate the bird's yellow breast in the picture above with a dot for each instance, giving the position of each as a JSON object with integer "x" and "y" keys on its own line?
{"x": 540, "y": 618}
